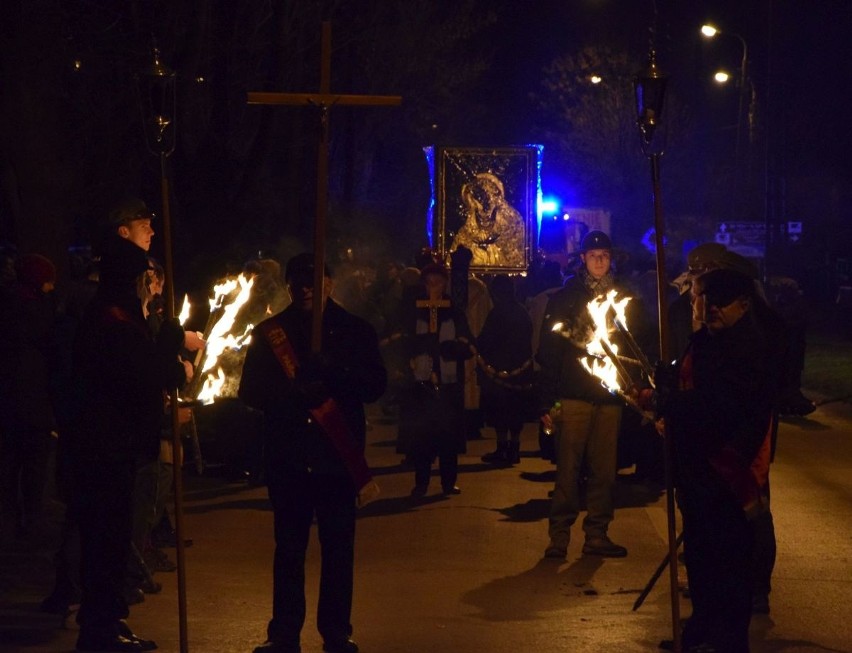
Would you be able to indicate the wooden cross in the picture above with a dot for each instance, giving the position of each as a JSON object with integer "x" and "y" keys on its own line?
{"x": 323, "y": 101}
{"x": 433, "y": 304}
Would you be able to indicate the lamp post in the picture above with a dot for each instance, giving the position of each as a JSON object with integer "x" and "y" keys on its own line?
{"x": 710, "y": 31}
{"x": 650, "y": 90}
{"x": 155, "y": 84}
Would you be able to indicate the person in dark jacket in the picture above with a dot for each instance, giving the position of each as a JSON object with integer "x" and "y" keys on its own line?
{"x": 26, "y": 414}
{"x": 719, "y": 414}
{"x": 121, "y": 374}
{"x": 589, "y": 419}
{"x": 306, "y": 473}
{"x": 505, "y": 347}
{"x": 431, "y": 420}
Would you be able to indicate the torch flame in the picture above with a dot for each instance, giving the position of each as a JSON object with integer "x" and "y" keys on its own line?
{"x": 600, "y": 363}
{"x": 184, "y": 311}
{"x": 228, "y": 298}
{"x": 212, "y": 387}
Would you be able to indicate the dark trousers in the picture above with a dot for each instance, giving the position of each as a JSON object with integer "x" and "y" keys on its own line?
{"x": 24, "y": 462}
{"x": 448, "y": 463}
{"x": 103, "y": 505}
{"x": 295, "y": 500}
{"x": 717, "y": 546}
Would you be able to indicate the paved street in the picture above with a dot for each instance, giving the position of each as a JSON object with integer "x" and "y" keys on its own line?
{"x": 465, "y": 574}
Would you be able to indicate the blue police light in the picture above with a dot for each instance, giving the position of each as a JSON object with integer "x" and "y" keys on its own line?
{"x": 548, "y": 206}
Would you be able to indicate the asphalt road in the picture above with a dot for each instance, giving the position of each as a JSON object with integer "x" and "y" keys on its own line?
{"x": 465, "y": 574}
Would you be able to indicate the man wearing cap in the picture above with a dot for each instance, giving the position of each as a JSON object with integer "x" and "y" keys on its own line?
{"x": 120, "y": 373}
{"x": 719, "y": 415}
{"x": 588, "y": 424}
{"x": 306, "y": 470}
{"x": 131, "y": 219}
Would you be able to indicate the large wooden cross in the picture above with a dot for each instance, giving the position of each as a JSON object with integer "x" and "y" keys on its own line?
{"x": 323, "y": 101}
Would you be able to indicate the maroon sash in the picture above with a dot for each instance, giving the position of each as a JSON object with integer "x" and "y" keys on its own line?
{"x": 328, "y": 415}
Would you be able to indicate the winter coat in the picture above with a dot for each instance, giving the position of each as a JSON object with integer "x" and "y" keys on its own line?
{"x": 350, "y": 369}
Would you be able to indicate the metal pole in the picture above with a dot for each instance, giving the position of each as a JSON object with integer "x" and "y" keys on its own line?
{"x": 173, "y": 404}
{"x": 662, "y": 310}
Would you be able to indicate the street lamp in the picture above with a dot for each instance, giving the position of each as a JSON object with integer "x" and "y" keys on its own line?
{"x": 711, "y": 31}
{"x": 650, "y": 89}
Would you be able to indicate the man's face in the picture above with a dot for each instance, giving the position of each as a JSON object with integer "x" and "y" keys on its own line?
{"x": 301, "y": 289}
{"x": 717, "y": 318}
{"x": 435, "y": 284}
{"x": 597, "y": 262}
{"x": 138, "y": 231}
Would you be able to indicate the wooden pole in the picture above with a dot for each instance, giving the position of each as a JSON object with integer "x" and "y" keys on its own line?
{"x": 663, "y": 312}
{"x": 173, "y": 405}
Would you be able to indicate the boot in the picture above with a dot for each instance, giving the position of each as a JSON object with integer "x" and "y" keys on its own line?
{"x": 513, "y": 453}
{"x": 498, "y": 456}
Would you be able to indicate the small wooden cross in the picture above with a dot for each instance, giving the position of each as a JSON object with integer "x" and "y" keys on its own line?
{"x": 323, "y": 100}
{"x": 433, "y": 305}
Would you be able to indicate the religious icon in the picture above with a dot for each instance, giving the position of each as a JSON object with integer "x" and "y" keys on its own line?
{"x": 486, "y": 201}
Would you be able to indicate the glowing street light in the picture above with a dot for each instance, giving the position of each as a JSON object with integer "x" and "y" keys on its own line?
{"x": 721, "y": 77}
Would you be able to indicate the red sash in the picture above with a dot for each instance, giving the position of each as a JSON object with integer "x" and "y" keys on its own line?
{"x": 328, "y": 415}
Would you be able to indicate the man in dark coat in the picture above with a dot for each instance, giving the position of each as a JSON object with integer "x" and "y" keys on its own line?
{"x": 120, "y": 373}
{"x": 306, "y": 473}
{"x": 587, "y": 427}
{"x": 719, "y": 415}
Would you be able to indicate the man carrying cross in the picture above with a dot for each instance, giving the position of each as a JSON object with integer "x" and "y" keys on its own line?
{"x": 432, "y": 414}
{"x": 314, "y": 436}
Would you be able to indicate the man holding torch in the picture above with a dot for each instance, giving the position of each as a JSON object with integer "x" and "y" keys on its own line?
{"x": 586, "y": 428}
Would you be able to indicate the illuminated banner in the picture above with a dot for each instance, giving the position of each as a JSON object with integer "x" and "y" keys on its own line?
{"x": 486, "y": 200}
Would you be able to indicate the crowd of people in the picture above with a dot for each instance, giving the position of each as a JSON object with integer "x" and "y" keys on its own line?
{"x": 444, "y": 353}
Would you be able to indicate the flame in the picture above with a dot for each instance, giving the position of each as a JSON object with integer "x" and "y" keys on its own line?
{"x": 599, "y": 363}
{"x": 184, "y": 311}
{"x": 212, "y": 387}
{"x": 228, "y": 298}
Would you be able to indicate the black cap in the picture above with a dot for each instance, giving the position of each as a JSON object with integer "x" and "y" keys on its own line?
{"x": 128, "y": 210}
{"x": 721, "y": 287}
{"x": 595, "y": 240}
{"x": 301, "y": 266}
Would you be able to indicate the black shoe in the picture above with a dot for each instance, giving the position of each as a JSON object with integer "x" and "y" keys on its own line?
{"x": 419, "y": 490}
{"x": 156, "y": 560}
{"x": 133, "y": 595}
{"x": 107, "y": 642}
{"x": 150, "y": 586}
{"x": 497, "y": 457}
{"x": 451, "y": 490}
{"x": 124, "y": 631}
{"x": 341, "y": 646}
{"x": 604, "y": 547}
{"x": 276, "y": 647}
{"x": 58, "y": 603}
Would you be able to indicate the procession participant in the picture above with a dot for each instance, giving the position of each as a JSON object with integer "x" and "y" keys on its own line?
{"x": 719, "y": 414}
{"x": 438, "y": 341}
{"x": 121, "y": 373}
{"x": 505, "y": 346}
{"x": 587, "y": 427}
{"x": 306, "y": 472}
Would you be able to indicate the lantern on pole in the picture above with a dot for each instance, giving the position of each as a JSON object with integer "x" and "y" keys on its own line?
{"x": 155, "y": 85}
{"x": 650, "y": 89}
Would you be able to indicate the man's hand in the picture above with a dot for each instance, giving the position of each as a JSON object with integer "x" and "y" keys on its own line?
{"x": 188, "y": 369}
{"x": 193, "y": 341}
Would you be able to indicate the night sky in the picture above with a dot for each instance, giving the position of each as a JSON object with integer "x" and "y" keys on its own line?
{"x": 469, "y": 72}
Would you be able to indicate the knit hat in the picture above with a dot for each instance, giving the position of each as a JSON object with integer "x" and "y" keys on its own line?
{"x": 35, "y": 270}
